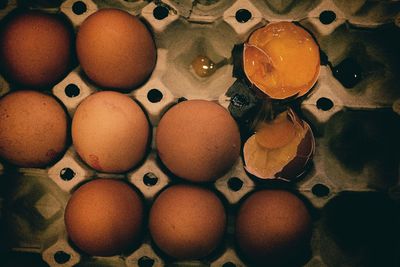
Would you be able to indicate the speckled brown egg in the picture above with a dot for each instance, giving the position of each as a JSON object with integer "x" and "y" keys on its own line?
{"x": 187, "y": 222}
{"x": 115, "y": 49}
{"x": 104, "y": 217}
{"x": 110, "y": 132}
{"x": 198, "y": 140}
{"x": 33, "y": 129}
{"x": 273, "y": 228}
{"x": 36, "y": 48}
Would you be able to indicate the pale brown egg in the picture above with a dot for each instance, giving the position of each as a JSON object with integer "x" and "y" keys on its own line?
{"x": 33, "y": 129}
{"x": 110, "y": 132}
{"x": 36, "y": 48}
{"x": 187, "y": 222}
{"x": 273, "y": 228}
{"x": 115, "y": 49}
{"x": 198, "y": 140}
{"x": 104, "y": 217}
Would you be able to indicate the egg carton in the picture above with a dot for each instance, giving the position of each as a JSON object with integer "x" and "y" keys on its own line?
{"x": 354, "y": 176}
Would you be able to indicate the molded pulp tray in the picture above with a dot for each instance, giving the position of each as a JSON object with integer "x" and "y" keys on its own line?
{"x": 352, "y": 185}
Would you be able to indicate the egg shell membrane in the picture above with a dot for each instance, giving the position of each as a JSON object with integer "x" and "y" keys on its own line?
{"x": 289, "y": 160}
{"x": 266, "y": 47}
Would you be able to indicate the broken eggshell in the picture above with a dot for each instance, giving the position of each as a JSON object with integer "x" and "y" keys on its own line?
{"x": 280, "y": 61}
{"x": 284, "y": 160}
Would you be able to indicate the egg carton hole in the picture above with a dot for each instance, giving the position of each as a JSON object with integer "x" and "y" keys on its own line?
{"x": 79, "y": 7}
{"x": 146, "y": 262}
{"x": 72, "y": 90}
{"x": 324, "y": 104}
{"x": 327, "y": 17}
{"x": 243, "y": 15}
{"x": 150, "y": 179}
{"x": 229, "y": 264}
{"x": 61, "y": 257}
{"x": 235, "y": 184}
{"x": 154, "y": 95}
{"x": 320, "y": 190}
{"x": 160, "y": 12}
{"x": 67, "y": 174}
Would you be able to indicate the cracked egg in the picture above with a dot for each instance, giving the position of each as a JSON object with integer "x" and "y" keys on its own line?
{"x": 280, "y": 148}
{"x": 281, "y": 60}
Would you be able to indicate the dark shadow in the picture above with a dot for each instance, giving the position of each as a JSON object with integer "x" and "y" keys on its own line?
{"x": 365, "y": 226}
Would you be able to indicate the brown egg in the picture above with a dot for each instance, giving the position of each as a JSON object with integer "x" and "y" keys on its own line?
{"x": 110, "y": 132}
{"x": 115, "y": 49}
{"x": 33, "y": 129}
{"x": 273, "y": 228}
{"x": 198, "y": 140}
{"x": 187, "y": 222}
{"x": 104, "y": 217}
{"x": 35, "y": 48}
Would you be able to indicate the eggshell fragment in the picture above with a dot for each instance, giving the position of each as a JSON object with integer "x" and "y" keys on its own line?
{"x": 296, "y": 166}
{"x": 278, "y": 151}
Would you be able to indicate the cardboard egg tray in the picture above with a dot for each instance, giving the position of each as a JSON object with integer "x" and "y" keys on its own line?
{"x": 352, "y": 185}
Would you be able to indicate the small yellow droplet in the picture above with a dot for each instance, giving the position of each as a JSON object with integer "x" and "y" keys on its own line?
{"x": 203, "y": 66}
